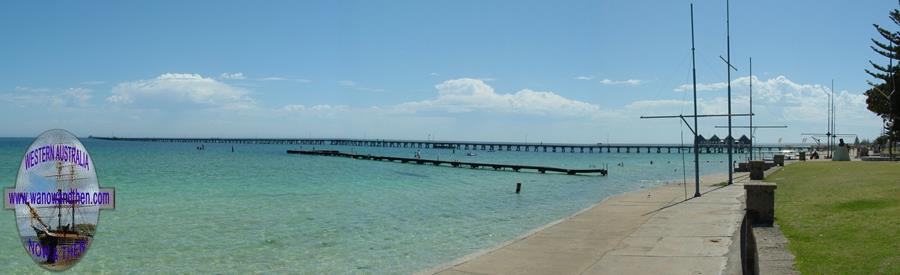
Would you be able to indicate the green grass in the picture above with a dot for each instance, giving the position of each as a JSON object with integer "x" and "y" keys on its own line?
{"x": 841, "y": 217}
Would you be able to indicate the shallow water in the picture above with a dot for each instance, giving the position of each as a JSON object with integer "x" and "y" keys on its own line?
{"x": 259, "y": 209}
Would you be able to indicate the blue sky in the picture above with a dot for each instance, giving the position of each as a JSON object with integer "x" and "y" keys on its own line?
{"x": 574, "y": 71}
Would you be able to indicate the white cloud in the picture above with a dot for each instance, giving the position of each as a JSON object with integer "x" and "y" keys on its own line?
{"x": 701, "y": 87}
{"x": 653, "y": 104}
{"x": 470, "y": 95}
{"x": 781, "y": 101}
{"x": 278, "y": 78}
{"x": 93, "y": 82}
{"x": 320, "y": 107}
{"x": 26, "y": 96}
{"x": 322, "y": 111}
{"x": 433, "y": 74}
{"x": 716, "y": 105}
{"x": 460, "y": 109}
{"x": 788, "y": 99}
{"x": 766, "y": 87}
{"x": 80, "y": 95}
{"x": 182, "y": 88}
{"x": 233, "y": 76}
{"x": 631, "y": 82}
{"x": 293, "y": 107}
{"x": 241, "y": 76}
{"x": 353, "y": 85}
{"x": 584, "y": 77}
{"x": 31, "y": 90}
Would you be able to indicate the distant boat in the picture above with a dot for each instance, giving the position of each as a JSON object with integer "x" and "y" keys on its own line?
{"x": 471, "y": 154}
{"x": 789, "y": 154}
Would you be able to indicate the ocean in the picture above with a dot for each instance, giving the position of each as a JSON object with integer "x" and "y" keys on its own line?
{"x": 258, "y": 209}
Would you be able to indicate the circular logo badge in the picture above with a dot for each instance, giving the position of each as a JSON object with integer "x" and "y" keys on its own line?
{"x": 57, "y": 200}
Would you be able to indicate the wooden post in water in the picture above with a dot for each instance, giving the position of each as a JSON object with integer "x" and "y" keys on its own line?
{"x": 518, "y": 187}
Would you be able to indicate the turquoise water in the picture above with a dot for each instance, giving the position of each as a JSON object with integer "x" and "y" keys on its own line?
{"x": 260, "y": 210}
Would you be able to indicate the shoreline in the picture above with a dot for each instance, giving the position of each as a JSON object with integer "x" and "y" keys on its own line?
{"x": 708, "y": 183}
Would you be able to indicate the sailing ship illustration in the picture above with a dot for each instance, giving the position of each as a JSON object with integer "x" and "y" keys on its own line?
{"x": 71, "y": 236}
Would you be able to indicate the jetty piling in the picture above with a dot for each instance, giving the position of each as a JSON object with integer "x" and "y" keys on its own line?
{"x": 706, "y": 148}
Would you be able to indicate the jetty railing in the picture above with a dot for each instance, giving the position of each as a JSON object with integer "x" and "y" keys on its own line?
{"x": 706, "y": 148}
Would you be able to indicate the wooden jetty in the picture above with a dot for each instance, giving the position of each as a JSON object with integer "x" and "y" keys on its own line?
{"x": 706, "y": 148}
{"x": 474, "y": 165}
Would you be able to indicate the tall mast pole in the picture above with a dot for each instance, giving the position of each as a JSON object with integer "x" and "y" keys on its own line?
{"x": 828, "y": 127}
{"x": 830, "y": 119}
{"x": 729, "y": 139}
{"x": 696, "y": 129}
{"x": 751, "y": 108}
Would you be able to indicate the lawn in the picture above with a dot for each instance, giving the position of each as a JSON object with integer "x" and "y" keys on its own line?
{"x": 841, "y": 217}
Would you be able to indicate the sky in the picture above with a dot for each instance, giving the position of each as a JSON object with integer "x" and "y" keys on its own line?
{"x": 535, "y": 71}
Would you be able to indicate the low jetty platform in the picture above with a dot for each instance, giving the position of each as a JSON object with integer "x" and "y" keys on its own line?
{"x": 473, "y": 165}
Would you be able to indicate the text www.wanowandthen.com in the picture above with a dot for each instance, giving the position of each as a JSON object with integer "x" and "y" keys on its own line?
{"x": 73, "y": 196}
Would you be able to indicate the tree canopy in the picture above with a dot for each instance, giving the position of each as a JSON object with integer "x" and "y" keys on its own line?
{"x": 882, "y": 98}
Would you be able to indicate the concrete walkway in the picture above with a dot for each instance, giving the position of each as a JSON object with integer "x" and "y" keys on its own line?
{"x": 652, "y": 231}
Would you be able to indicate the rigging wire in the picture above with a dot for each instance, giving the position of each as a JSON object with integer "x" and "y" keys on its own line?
{"x": 664, "y": 85}
{"x": 709, "y": 68}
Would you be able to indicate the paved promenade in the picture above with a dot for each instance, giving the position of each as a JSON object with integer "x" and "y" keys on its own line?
{"x": 651, "y": 231}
